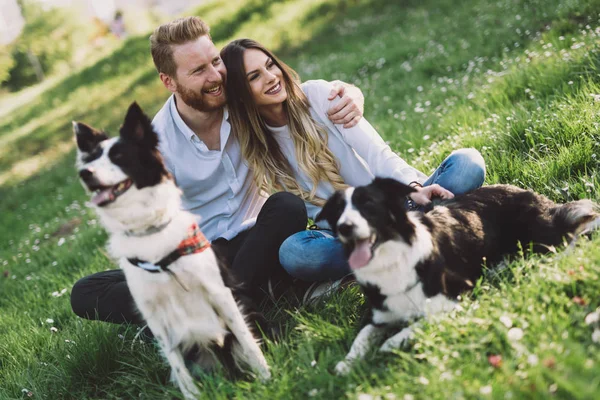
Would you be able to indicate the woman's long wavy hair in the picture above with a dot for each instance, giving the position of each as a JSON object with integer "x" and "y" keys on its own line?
{"x": 271, "y": 170}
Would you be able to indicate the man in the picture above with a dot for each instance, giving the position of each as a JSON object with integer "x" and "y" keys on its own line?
{"x": 204, "y": 157}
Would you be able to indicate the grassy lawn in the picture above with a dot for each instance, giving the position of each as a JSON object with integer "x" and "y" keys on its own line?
{"x": 517, "y": 79}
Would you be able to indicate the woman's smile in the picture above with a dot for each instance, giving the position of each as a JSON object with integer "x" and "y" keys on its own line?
{"x": 274, "y": 89}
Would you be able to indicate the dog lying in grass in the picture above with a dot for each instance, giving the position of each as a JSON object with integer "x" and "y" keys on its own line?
{"x": 412, "y": 265}
{"x": 181, "y": 289}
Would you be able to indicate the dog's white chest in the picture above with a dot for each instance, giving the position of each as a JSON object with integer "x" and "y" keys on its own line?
{"x": 163, "y": 301}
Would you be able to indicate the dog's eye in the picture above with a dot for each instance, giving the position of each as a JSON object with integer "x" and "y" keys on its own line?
{"x": 116, "y": 153}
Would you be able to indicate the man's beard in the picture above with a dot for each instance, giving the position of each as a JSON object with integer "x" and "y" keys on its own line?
{"x": 198, "y": 102}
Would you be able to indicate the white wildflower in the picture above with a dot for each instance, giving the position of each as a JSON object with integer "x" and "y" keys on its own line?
{"x": 53, "y": 330}
{"x": 49, "y": 321}
{"x": 596, "y": 336}
{"x": 485, "y": 390}
{"x": 533, "y": 360}
{"x": 365, "y": 396}
{"x": 61, "y": 241}
{"x": 312, "y": 392}
{"x": 423, "y": 381}
{"x": 506, "y": 321}
{"x": 515, "y": 334}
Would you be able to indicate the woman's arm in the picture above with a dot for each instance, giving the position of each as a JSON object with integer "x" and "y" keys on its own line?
{"x": 383, "y": 162}
{"x": 350, "y": 109}
{"x": 362, "y": 137}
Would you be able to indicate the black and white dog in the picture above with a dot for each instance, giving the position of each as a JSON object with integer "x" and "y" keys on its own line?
{"x": 412, "y": 265}
{"x": 180, "y": 288}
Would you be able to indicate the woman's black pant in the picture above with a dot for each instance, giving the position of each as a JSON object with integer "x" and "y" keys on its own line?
{"x": 252, "y": 256}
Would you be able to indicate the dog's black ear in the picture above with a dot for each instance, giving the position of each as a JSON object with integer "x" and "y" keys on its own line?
{"x": 138, "y": 128}
{"x": 395, "y": 195}
{"x": 87, "y": 137}
{"x": 332, "y": 210}
{"x": 392, "y": 188}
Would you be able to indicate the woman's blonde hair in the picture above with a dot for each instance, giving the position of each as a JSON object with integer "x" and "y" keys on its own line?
{"x": 271, "y": 170}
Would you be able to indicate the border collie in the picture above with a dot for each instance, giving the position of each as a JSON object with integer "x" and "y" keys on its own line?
{"x": 412, "y": 265}
{"x": 179, "y": 286}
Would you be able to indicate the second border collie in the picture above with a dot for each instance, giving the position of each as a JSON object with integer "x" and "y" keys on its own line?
{"x": 180, "y": 288}
{"x": 411, "y": 265}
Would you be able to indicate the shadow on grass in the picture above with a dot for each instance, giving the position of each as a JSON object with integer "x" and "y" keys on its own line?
{"x": 227, "y": 28}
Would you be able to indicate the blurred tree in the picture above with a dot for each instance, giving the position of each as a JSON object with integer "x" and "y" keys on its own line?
{"x": 45, "y": 43}
{"x": 6, "y": 63}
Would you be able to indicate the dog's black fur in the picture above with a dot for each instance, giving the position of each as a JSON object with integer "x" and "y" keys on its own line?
{"x": 447, "y": 248}
{"x": 474, "y": 229}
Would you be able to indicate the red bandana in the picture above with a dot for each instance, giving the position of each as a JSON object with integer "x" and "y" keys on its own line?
{"x": 195, "y": 242}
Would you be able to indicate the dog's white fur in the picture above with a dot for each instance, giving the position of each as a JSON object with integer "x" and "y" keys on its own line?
{"x": 352, "y": 216}
{"x": 392, "y": 270}
{"x": 179, "y": 319}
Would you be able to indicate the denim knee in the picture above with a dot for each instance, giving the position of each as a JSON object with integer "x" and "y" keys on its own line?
{"x": 470, "y": 168}
{"x": 313, "y": 256}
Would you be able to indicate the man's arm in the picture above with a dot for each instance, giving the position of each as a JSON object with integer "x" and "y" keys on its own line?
{"x": 349, "y": 110}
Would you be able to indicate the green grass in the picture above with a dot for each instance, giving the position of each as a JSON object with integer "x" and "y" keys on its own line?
{"x": 517, "y": 79}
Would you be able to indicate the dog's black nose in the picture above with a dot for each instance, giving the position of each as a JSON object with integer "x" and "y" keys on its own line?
{"x": 345, "y": 229}
{"x": 86, "y": 174}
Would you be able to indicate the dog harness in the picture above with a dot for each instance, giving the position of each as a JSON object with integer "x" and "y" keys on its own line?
{"x": 195, "y": 242}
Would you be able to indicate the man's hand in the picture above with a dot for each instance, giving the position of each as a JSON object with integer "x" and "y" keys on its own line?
{"x": 349, "y": 110}
{"x": 424, "y": 195}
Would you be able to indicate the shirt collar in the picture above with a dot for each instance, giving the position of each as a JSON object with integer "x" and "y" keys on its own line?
{"x": 188, "y": 133}
{"x": 183, "y": 128}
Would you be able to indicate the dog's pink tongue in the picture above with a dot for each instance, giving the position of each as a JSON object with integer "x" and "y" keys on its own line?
{"x": 102, "y": 197}
{"x": 361, "y": 255}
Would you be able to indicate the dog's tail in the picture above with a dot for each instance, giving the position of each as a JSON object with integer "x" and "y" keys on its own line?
{"x": 577, "y": 217}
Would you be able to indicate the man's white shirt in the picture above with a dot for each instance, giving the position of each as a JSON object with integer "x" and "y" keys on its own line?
{"x": 217, "y": 184}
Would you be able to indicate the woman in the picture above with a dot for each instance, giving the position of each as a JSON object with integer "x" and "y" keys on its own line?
{"x": 289, "y": 144}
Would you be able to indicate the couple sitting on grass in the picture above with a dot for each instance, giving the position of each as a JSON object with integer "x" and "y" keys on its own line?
{"x": 240, "y": 126}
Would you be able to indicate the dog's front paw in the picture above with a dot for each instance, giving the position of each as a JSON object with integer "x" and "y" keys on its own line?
{"x": 342, "y": 368}
{"x": 264, "y": 374}
{"x": 388, "y": 348}
{"x": 397, "y": 341}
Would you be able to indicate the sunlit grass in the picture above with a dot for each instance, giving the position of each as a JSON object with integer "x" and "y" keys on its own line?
{"x": 518, "y": 80}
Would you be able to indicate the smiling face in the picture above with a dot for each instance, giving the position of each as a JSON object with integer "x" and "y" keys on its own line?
{"x": 110, "y": 167}
{"x": 265, "y": 78}
{"x": 366, "y": 216}
{"x": 200, "y": 74}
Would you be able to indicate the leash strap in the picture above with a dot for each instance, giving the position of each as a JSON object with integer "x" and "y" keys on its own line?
{"x": 195, "y": 242}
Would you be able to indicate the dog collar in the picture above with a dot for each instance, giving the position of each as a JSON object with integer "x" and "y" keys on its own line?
{"x": 150, "y": 231}
{"x": 195, "y": 242}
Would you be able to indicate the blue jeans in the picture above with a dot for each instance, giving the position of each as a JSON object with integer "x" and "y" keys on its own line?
{"x": 317, "y": 255}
